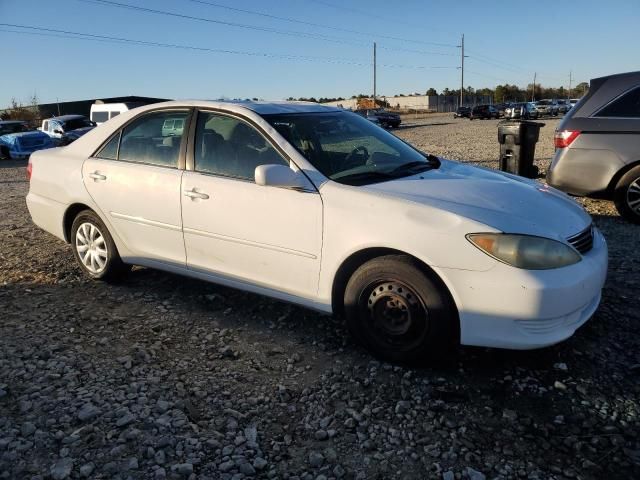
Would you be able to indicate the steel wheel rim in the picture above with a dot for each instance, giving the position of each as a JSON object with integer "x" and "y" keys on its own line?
{"x": 395, "y": 315}
{"x": 633, "y": 196}
{"x": 91, "y": 248}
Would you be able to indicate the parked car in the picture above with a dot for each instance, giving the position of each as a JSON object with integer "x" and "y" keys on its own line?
{"x": 58, "y": 127}
{"x": 73, "y": 135}
{"x": 524, "y": 110}
{"x": 462, "y": 112}
{"x": 500, "y": 107}
{"x": 21, "y": 145}
{"x": 13, "y": 126}
{"x": 384, "y": 118}
{"x": 573, "y": 102}
{"x": 483, "y": 112}
{"x": 547, "y": 107}
{"x": 563, "y": 106}
{"x": 292, "y": 201}
{"x": 598, "y": 145}
{"x": 100, "y": 112}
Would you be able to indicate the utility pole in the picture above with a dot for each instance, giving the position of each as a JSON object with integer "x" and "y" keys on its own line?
{"x": 570, "y": 78}
{"x": 533, "y": 90}
{"x": 375, "y": 105}
{"x": 462, "y": 72}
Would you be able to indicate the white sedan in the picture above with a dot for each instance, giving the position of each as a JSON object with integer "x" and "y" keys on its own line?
{"x": 320, "y": 207}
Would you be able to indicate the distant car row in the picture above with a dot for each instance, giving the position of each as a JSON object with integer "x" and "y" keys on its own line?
{"x": 381, "y": 117}
{"x": 525, "y": 110}
{"x": 18, "y": 140}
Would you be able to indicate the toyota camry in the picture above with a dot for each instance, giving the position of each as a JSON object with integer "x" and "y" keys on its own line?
{"x": 320, "y": 207}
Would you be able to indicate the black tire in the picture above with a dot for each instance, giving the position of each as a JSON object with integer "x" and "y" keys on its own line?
{"x": 627, "y": 194}
{"x": 112, "y": 268}
{"x": 400, "y": 312}
{"x": 4, "y": 153}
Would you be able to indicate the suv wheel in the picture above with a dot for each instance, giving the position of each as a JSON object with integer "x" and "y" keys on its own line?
{"x": 398, "y": 311}
{"x": 94, "y": 249}
{"x": 627, "y": 195}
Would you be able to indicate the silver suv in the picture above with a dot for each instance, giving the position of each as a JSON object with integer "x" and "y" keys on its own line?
{"x": 547, "y": 107}
{"x": 598, "y": 145}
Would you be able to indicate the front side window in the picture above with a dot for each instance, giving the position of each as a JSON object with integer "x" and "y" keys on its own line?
{"x": 230, "y": 147}
{"x": 626, "y": 106}
{"x": 348, "y": 148}
{"x": 146, "y": 140}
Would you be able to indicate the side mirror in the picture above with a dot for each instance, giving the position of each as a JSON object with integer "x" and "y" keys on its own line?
{"x": 57, "y": 130}
{"x": 279, "y": 176}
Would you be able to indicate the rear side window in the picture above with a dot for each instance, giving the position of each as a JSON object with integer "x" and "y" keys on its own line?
{"x": 626, "y": 106}
{"x": 154, "y": 139}
{"x": 110, "y": 150}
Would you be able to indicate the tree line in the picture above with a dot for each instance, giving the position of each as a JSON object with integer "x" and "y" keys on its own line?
{"x": 500, "y": 94}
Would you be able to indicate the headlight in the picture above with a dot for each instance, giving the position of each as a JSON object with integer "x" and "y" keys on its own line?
{"x": 525, "y": 251}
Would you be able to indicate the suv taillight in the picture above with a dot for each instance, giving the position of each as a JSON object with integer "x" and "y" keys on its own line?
{"x": 564, "y": 138}
{"x": 29, "y": 170}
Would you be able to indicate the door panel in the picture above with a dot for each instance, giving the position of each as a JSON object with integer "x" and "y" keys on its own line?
{"x": 265, "y": 235}
{"x": 142, "y": 202}
{"x": 135, "y": 180}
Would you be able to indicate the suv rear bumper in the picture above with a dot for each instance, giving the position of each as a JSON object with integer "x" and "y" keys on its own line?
{"x": 583, "y": 172}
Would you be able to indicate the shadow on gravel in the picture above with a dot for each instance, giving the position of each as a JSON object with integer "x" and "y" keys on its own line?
{"x": 13, "y": 163}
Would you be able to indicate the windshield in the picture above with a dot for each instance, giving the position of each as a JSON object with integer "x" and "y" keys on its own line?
{"x": 348, "y": 148}
{"x": 76, "y": 123}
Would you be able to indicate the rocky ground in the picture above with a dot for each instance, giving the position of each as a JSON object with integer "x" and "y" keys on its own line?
{"x": 165, "y": 377}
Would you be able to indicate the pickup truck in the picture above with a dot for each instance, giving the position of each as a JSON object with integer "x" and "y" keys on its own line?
{"x": 58, "y": 128}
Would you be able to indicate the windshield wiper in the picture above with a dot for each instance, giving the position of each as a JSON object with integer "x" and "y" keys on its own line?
{"x": 417, "y": 166}
{"x": 364, "y": 177}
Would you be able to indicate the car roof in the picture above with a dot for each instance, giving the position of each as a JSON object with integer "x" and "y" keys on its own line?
{"x": 32, "y": 133}
{"x": 64, "y": 118}
{"x": 268, "y": 108}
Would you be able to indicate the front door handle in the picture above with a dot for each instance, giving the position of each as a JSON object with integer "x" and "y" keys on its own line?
{"x": 97, "y": 176}
{"x": 193, "y": 194}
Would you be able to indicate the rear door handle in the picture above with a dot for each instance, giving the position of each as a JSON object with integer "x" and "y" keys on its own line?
{"x": 193, "y": 194}
{"x": 97, "y": 176}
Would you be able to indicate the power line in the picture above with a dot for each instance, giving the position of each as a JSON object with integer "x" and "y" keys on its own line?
{"x": 51, "y": 32}
{"x": 313, "y": 24}
{"x": 291, "y": 33}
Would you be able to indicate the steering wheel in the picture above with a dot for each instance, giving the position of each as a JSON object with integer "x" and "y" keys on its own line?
{"x": 358, "y": 151}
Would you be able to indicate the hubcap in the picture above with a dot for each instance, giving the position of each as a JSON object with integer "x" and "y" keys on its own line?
{"x": 396, "y": 315}
{"x": 633, "y": 196}
{"x": 91, "y": 247}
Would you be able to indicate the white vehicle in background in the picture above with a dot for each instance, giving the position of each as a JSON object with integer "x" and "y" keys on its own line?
{"x": 320, "y": 207}
{"x": 58, "y": 128}
{"x": 101, "y": 112}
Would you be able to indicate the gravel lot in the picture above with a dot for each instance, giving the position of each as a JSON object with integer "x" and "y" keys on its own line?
{"x": 166, "y": 377}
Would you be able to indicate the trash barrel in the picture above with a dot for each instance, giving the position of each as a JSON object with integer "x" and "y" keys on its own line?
{"x": 517, "y": 140}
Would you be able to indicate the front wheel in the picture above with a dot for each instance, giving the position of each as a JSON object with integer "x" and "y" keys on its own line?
{"x": 399, "y": 311}
{"x": 626, "y": 195}
{"x": 94, "y": 248}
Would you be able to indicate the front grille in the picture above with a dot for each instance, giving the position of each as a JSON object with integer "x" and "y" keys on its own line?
{"x": 583, "y": 241}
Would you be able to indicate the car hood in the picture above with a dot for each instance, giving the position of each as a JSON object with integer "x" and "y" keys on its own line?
{"x": 499, "y": 200}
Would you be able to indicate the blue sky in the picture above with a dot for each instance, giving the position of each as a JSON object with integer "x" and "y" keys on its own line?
{"x": 507, "y": 41}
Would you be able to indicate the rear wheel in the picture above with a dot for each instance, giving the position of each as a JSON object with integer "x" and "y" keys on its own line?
{"x": 626, "y": 195}
{"x": 400, "y": 312}
{"x": 94, "y": 249}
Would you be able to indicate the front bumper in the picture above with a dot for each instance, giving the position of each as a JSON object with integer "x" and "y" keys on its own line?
{"x": 507, "y": 307}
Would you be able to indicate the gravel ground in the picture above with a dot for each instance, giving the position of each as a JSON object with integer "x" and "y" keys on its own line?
{"x": 166, "y": 377}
